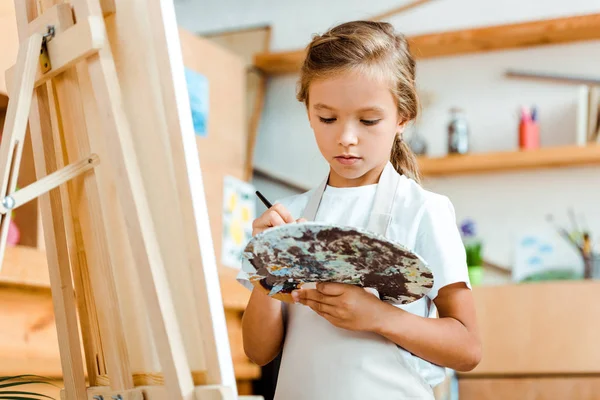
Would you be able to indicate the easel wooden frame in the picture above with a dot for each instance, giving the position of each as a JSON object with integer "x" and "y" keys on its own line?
{"x": 78, "y": 112}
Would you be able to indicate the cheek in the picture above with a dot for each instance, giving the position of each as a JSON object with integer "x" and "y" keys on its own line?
{"x": 382, "y": 138}
{"x": 324, "y": 138}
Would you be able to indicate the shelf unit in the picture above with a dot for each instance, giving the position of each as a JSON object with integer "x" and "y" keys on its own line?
{"x": 465, "y": 41}
{"x": 549, "y": 157}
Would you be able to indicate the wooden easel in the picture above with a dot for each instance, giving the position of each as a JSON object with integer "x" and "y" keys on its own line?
{"x": 99, "y": 84}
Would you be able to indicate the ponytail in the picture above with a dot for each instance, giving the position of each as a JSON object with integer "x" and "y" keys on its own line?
{"x": 404, "y": 160}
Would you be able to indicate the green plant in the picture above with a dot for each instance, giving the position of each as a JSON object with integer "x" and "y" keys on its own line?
{"x": 9, "y": 385}
{"x": 473, "y": 245}
{"x": 473, "y": 251}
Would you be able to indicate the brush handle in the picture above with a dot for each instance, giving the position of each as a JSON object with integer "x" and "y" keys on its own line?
{"x": 262, "y": 198}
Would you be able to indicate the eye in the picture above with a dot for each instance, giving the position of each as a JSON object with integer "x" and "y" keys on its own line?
{"x": 327, "y": 120}
{"x": 370, "y": 122}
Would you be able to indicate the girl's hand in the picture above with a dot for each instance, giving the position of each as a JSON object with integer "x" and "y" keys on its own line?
{"x": 345, "y": 306}
{"x": 274, "y": 216}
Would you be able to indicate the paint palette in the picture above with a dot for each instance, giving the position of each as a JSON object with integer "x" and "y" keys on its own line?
{"x": 289, "y": 256}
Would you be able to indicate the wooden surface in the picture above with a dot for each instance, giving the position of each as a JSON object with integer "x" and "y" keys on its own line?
{"x": 540, "y": 388}
{"x": 476, "y": 40}
{"x": 550, "y": 157}
{"x": 30, "y": 346}
{"x": 48, "y": 157}
{"x": 146, "y": 189}
{"x": 246, "y": 43}
{"x": 25, "y": 267}
{"x": 399, "y": 10}
{"x": 9, "y": 44}
{"x": 539, "y": 328}
{"x": 226, "y": 132}
{"x": 223, "y": 150}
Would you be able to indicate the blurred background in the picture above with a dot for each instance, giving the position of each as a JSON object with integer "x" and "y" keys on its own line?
{"x": 509, "y": 130}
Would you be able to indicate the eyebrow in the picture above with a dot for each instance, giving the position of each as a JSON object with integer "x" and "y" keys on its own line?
{"x": 321, "y": 106}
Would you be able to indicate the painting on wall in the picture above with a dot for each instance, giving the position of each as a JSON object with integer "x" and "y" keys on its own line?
{"x": 542, "y": 255}
{"x": 239, "y": 209}
{"x": 197, "y": 85}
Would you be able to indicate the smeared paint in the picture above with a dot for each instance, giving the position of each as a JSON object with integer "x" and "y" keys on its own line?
{"x": 291, "y": 255}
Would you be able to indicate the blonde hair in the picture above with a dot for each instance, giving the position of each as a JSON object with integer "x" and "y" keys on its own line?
{"x": 371, "y": 47}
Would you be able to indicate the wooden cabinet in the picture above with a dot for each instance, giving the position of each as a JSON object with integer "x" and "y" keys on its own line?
{"x": 540, "y": 341}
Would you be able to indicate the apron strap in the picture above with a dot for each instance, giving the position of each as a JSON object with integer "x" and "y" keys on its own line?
{"x": 381, "y": 213}
{"x": 310, "y": 212}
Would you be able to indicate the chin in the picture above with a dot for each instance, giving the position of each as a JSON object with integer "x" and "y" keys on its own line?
{"x": 349, "y": 172}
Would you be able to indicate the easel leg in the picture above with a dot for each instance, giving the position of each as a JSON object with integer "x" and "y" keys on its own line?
{"x": 15, "y": 126}
{"x": 58, "y": 258}
{"x": 51, "y": 205}
{"x": 209, "y": 305}
{"x": 87, "y": 310}
{"x": 141, "y": 231}
{"x": 93, "y": 229}
{"x": 130, "y": 189}
{"x": 98, "y": 302}
{"x": 56, "y": 10}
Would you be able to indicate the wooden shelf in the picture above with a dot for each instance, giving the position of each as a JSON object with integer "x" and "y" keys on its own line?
{"x": 25, "y": 266}
{"x": 550, "y": 157}
{"x": 476, "y": 40}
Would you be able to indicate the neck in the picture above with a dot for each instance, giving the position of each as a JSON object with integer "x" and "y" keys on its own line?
{"x": 369, "y": 178}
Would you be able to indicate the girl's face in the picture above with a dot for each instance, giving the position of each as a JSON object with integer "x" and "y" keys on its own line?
{"x": 355, "y": 120}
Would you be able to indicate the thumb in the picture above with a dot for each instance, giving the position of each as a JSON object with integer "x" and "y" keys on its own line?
{"x": 331, "y": 288}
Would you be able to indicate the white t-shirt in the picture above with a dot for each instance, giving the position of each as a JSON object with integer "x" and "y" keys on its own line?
{"x": 422, "y": 221}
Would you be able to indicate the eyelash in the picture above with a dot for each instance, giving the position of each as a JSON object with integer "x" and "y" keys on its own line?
{"x": 364, "y": 121}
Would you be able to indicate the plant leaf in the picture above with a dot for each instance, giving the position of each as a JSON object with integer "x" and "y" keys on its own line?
{"x": 12, "y": 384}
{"x": 26, "y": 393}
{"x": 18, "y": 398}
{"x": 10, "y": 378}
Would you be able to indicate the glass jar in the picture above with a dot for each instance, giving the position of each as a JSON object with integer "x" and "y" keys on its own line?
{"x": 458, "y": 132}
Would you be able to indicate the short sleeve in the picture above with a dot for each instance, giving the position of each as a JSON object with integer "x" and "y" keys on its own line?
{"x": 439, "y": 243}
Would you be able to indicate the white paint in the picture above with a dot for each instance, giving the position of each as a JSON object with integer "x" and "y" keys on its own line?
{"x": 502, "y": 204}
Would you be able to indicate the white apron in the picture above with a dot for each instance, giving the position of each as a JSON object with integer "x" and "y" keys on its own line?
{"x": 323, "y": 362}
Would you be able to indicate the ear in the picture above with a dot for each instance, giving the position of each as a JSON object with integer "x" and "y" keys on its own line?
{"x": 400, "y": 127}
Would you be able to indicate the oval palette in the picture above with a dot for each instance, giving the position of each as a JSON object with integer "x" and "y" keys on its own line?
{"x": 289, "y": 256}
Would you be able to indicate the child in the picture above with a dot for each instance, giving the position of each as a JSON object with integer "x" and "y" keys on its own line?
{"x": 341, "y": 341}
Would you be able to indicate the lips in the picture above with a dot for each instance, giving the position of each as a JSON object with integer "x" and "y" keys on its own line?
{"x": 347, "y": 159}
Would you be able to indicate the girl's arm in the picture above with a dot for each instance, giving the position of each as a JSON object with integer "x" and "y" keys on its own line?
{"x": 452, "y": 340}
{"x": 262, "y": 328}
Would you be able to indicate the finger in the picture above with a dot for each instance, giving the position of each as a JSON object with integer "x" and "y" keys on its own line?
{"x": 269, "y": 219}
{"x": 321, "y": 308}
{"x": 301, "y": 220}
{"x": 283, "y": 213}
{"x": 304, "y": 295}
{"x": 274, "y": 218}
{"x": 331, "y": 288}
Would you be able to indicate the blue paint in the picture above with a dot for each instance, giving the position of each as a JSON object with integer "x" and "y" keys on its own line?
{"x": 197, "y": 85}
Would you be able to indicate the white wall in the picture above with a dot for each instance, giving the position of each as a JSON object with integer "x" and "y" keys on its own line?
{"x": 502, "y": 204}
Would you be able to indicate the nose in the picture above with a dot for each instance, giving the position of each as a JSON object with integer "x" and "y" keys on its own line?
{"x": 348, "y": 136}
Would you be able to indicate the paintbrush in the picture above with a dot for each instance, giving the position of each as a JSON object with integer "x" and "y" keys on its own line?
{"x": 587, "y": 244}
{"x": 264, "y": 200}
{"x": 578, "y": 233}
{"x": 563, "y": 232}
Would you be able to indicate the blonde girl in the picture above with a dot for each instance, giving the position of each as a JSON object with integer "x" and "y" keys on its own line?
{"x": 341, "y": 341}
